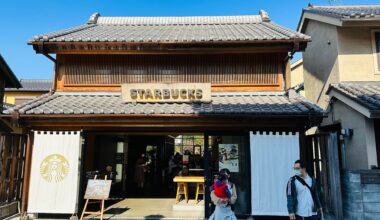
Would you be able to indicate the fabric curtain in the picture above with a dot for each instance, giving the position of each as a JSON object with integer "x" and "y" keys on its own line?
{"x": 272, "y": 159}
{"x": 54, "y": 172}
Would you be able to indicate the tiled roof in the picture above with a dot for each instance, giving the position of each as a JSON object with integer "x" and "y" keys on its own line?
{"x": 364, "y": 93}
{"x": 245, "y": 28}
{"x": 233, "y": 103}
{"x": 347, "y": 12}
{"x": 33, "y": 85}
{"x": 7, "y": 106}
{"x": 7, "y": 74}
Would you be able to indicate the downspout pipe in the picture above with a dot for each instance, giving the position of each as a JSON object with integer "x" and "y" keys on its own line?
{"x": 54, "y": 86}
{"x": 286, "y": 59}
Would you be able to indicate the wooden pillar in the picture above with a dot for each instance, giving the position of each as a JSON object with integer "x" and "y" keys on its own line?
{"x": 14, "y": 147}
{"x": 206, "y": 160}
{"x": 27, "y": 170}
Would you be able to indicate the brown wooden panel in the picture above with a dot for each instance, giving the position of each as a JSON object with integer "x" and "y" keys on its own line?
{"x": 219, "y": 69}
{"x": 11, "y": 167}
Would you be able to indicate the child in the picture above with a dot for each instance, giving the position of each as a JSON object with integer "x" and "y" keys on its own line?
{"x": 220, "y": 188}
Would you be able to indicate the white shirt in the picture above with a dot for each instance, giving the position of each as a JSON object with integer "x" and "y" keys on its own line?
{"x": 305, "y": 201}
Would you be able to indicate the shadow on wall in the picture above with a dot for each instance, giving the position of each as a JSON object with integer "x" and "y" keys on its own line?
{"x": 154, "y": 217}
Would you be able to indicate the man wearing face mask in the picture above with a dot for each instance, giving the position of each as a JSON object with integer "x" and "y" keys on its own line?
{"x": 302, "y": 195}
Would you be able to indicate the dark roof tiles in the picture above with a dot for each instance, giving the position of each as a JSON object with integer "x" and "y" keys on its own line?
{"x": 262, "y": 103}
{"x": 365, "y": 93}
{"x": 174, "y": 30}
{"x": 33, "y": 85}
{"x": 346, "y": 11}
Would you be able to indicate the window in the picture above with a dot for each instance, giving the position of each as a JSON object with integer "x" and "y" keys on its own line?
{"x": 376, "y": 50}
{"x": 192, "y": 143}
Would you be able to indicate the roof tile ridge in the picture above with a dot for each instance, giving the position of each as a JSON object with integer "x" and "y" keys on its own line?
{"x": 300, "y": 100}
{"x": 284, "y": 30}
{"x": 22, "y": 108}
{"x": 46, "y": 37}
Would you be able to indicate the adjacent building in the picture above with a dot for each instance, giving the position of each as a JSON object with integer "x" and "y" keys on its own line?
{"x": 30, "y": 89}
{"x": 341, "y": 74}
{"x": 344, "y": 53}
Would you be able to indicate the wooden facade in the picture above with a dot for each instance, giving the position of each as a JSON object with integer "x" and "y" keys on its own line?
{"x": 226, "y": 72}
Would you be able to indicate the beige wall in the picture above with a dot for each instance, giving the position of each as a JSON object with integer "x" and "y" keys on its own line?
{"x": 10, "y": 96}
{"x": 356, "y": 56}
{"x": 296, "y": 74}
{"x": 337, "y": 54}
{"x": 361, "y": 147}
{"x": 320, "y": 61}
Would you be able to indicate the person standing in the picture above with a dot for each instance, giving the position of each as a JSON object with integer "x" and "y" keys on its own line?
{"x": 302, "y": 195}
{"x": 140, "y": 169}
{"x": 223, "y": 210}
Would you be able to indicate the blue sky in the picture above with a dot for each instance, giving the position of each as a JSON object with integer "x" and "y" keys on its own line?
{"x": 21, "y": 20}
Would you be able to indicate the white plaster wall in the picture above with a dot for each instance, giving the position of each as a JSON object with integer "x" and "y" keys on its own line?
{"x": 320, "y": 61}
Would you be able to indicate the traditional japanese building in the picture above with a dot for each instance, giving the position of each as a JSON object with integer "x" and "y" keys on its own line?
{"x": 213, "y": 89}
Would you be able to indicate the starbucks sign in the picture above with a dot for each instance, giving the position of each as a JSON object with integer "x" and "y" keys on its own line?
{"x": 166, "y": 92}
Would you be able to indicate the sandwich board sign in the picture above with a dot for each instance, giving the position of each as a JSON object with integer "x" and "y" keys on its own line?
{"x": 98, "y": 189}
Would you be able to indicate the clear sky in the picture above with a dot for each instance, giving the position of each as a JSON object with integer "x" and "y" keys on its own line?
{"x": 21, "y": 20}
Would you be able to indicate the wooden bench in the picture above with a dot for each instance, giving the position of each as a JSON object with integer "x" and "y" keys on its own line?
{"x": 182, "y": 186}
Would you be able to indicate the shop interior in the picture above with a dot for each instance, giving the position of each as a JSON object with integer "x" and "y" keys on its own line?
{"x": 143, "y": 166}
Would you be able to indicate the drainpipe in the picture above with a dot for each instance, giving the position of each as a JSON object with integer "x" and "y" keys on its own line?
{"x": 54, "y": 86}
{"x": 343, "y": 152}
{"x": 296, "y": 47}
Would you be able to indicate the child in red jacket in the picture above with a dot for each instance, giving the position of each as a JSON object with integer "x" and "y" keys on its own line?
{"x": 220, "y": 187}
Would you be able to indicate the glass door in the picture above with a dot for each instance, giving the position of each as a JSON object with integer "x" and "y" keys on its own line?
{"x": 230, "y": 152}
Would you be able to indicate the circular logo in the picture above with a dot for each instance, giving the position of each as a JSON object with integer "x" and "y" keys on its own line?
{"x": 54, "y": 168}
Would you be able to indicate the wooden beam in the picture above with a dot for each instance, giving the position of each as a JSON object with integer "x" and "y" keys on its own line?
{"x": 27, "y": 171}
{"x": 157, "y": 123}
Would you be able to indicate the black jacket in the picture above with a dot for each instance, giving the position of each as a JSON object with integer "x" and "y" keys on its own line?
{"x": 291, "y": 194}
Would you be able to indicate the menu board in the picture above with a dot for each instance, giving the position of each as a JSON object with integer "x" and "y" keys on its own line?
{"x": 98, "y": 189}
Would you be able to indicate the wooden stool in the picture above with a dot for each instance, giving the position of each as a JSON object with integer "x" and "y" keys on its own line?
{"x": 182, "y": 189}
{"x": 200, "y": 190}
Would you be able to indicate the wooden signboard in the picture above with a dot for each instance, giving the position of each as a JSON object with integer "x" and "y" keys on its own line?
{"x": 98, "y": 189}
{"x": 166, "y": 92}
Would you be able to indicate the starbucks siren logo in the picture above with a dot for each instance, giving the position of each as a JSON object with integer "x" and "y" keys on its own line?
{"x": 54, "y": 168}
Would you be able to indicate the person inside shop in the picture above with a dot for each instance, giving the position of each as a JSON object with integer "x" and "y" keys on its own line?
{"x": 111, "y": 175}
{"x": 140, "y": 170}
{"x": 177, "y": 158}
{"x": 302, "y": 194}
{"x": 223, "y": 197}
{"x": 173, "y": 167}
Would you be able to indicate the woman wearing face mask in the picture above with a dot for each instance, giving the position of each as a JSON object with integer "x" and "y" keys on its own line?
{"x": 223, "y": 205}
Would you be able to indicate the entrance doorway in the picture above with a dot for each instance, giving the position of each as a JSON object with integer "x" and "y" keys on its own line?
{"x": 147, "y": 166}
{"x": 143, "y": 166}
{"x": 230, "y": 151}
